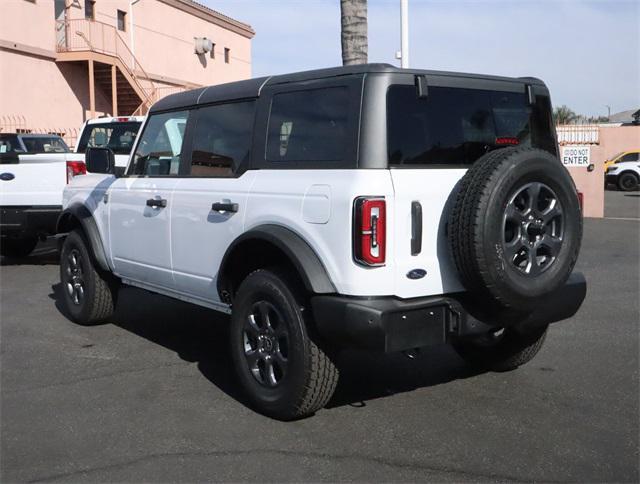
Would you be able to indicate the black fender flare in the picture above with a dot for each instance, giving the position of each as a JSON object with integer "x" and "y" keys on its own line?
{"x": 83, "y": 215}
{"x": 305, "y": 260}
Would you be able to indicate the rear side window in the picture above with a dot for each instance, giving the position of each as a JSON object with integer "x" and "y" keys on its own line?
{"x": 453, "y": 126}
{"x": 309, "y": 125}
{"x": 117, "y": 136}
{"x": 158, "y": 152}
{"x": 222, "y": 139}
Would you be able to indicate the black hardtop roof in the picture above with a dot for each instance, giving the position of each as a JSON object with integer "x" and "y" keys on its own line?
{"x": 250, "y": 88}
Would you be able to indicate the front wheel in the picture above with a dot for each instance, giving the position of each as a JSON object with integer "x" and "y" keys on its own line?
{"x": 89, "y": 294}
{"x": 284, "y": 372}
{"x": 503, "y": 349}
{"x": 628, "y": 182}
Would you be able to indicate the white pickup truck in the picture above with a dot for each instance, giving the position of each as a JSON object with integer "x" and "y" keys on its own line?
{"x": 35, "y": 168}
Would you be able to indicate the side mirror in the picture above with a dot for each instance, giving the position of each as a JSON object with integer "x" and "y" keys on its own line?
{"x": 100, "y": 160}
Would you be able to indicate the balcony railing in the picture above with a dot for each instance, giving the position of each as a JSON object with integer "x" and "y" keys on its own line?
{"x": 578, "y": 134}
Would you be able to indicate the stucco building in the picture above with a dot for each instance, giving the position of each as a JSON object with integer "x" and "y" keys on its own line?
{"x": 64, "y": 61}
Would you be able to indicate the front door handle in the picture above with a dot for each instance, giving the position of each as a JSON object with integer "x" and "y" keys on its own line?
{"x": 224, "y": 207}
{"x": 157, "y": 203}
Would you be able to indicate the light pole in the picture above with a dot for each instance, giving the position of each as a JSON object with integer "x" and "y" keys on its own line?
{"x": 404, "y": 34}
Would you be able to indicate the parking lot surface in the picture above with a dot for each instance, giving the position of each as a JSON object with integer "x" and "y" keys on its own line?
{"x": 152, "y": 396}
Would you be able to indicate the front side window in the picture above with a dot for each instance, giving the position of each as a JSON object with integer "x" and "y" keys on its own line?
{"x": 309, "y": 125}
{"x": 159, "y": 149}
{"x": 119, "y": 137}
{"x": 222, "y": 139}
{"x": 630, "y": 157}
{"x": 454, "y": 126}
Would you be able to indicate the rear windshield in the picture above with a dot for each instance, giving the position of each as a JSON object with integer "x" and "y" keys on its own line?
{"x": 45, "y": 144}
{"x": 119, "y": 137}
{"x": 453, "y": 126}
{"x": 33, "y": 144}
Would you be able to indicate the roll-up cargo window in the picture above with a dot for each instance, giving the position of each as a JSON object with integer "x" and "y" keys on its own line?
{"x": 455, "y": 126}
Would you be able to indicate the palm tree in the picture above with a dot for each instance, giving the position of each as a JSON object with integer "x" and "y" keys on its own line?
{"x": 564, "y": 115}
{"x": 353, "y": 15}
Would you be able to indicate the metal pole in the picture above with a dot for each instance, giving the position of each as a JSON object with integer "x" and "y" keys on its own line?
{"x": 404, "y": 34}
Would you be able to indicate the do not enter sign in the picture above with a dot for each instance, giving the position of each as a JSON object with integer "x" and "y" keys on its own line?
{"x": 576, "y": 155}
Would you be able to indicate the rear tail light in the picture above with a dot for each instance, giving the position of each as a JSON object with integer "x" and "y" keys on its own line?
{"x": 581, "y": 200}
{"x": 507, "y": 141}
{"x": 75, "y": 168}
{"x": 370, "y": 230}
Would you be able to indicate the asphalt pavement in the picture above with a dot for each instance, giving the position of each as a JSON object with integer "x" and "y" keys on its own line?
{"x": 152, "y": 396}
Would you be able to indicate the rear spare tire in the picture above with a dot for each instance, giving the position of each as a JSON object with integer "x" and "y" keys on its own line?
{"x": 515, "y": 227}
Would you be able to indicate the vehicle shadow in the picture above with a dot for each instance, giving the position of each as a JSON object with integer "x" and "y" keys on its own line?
{"x": 45, "y": 253}
{"x": 199, "y": 335}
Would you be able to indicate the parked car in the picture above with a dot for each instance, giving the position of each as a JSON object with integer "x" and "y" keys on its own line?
{"x": 622, "y": 157}
{"x": 363, "y": 206}
{"x": 624, "y": 175}
{"x": 35, "y": 169}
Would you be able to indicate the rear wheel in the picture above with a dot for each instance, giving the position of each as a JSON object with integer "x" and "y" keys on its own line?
{"x": 283, "y": 371}
{"x": 628, "y": 182}
{"x": 17, "y": 247}
{"x": 502, "y": 349}
{"x": 89, "y": 293}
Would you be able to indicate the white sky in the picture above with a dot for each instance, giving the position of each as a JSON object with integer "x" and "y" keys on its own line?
{"x": 588, "y": 52}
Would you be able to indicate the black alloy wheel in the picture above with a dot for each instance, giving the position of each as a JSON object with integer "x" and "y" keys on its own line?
{"x": 266, "y": 344}
{"x": 533, "y": 228}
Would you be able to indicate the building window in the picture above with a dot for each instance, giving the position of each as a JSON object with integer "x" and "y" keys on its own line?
{"x": 89, "y": 9}
{"x": 122, "y": 24}
{"x": 227, "y": 55}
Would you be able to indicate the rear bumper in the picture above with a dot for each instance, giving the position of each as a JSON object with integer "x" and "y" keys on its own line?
{"x": 17, "y": 220}
{"x": 390, "y": 324}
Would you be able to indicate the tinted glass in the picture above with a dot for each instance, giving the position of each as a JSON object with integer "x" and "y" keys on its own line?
{"x": 9, "y": 142}
{"x": 457, "y": 126}
{"x": 44, "y": 144}
{"x": 309, "y": 125}
{"x": 222, "y": 138}
{"x": 117, "y": 136}
{"x": 630, "y": 157}
{"x": 158, "y": 152}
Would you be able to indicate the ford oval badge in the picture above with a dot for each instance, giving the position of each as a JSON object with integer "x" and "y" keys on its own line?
{"x": 7, "y": 176}
{"x": 416, "y": 273}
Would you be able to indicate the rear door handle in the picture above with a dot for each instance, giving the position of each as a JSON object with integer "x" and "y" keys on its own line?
{"x": 416, "y": 228}
{"x": 157, "y": 202}
{"x": 224, "y": 207}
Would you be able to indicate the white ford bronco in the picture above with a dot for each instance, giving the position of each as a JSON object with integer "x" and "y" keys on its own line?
{"x": 356, "y": 207}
